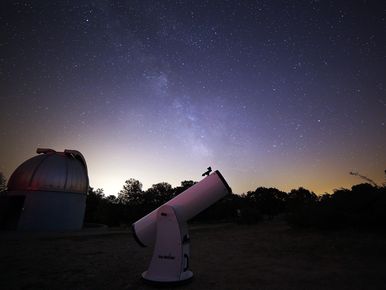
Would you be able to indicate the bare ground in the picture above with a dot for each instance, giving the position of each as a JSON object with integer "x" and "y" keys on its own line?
{"x": 228, "y": 256}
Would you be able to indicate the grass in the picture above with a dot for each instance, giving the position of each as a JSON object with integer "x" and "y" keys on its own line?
{"x": 263, "y": 256}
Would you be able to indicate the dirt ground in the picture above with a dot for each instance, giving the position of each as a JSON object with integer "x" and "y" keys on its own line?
{"x": 228, "y": 256}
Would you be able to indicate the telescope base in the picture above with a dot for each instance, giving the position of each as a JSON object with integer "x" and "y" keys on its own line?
{"x": 170, "y": 261}
{"x": 185, "y": 278}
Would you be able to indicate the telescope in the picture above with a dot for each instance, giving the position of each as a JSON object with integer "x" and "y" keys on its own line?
{"x": 166, "y": 229}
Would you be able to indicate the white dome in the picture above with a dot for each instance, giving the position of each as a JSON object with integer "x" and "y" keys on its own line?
{"x": 51, "y": 171}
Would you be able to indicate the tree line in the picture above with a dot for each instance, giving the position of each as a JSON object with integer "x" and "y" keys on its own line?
{"x": 364, "y": 205}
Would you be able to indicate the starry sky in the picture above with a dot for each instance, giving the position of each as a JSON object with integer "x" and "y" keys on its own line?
{"x": 271, "y": 93}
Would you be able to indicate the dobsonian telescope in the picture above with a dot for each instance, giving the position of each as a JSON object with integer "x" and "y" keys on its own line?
{"x": 166, "y": 229}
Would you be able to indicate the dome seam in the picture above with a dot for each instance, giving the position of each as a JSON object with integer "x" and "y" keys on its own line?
{"x": 36, "y": 169}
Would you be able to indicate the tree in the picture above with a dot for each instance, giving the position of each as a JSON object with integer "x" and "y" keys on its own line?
{"x": 112, "y": 199}
{"x": 384, "y": 183}
{"x": 159, "y": 193}
{"x": 3, "y": 182}
{"x": 98, "y": 193}
{"x": 301, "y": 197}
{"x": 94, "y": 205}
{"x": 301, "y": 204}
{"x": 131, "y": 193}
{"x": 184, "y": 186}
{"x": 268, "y": 201}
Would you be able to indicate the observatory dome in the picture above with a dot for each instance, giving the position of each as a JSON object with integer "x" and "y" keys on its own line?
{"x": 46, "y": 192}
{"x": 51, "y": 171}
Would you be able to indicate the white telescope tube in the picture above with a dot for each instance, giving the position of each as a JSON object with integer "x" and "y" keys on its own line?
{"x": 186, "y": 205}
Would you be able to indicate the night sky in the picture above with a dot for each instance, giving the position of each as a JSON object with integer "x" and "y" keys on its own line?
{"x": 271, "y": 93}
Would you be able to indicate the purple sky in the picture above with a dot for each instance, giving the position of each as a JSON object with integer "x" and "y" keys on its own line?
{"x": 271, "y": 93}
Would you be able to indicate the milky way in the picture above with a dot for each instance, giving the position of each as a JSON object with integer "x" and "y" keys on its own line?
{"x": 272, "y": 93}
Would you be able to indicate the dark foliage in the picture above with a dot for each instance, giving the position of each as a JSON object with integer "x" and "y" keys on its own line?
{"x": 3, "y": 183}
{"x": 267, "y": 201}
{"x": 224, "y": 210}
{"x": 131, "y": 204}
{"x": 364, "y": 205}
{"x": 99, "y": 208}
{"x": 301, "y": 204}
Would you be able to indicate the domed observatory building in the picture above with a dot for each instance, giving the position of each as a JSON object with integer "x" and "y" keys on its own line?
{"x": 48, "y": 192}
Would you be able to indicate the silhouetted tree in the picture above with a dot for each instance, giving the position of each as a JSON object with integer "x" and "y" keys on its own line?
{"x": 301, "y": 197}
{"x": 184, "y": 186}
{"x": 348, "y": 207}
{"x": 223, "y": 210}
{"x": 158, "y": 194}
{"x": 3, "y": 183}
{"x": 362, "y": 205}
{"x": 379, "y": 208}
{"x": 359, "y": 205}
{"x": 112, "y": 199}
{"x": 131, "y": 193}
{"x": 246, "y": 211}
{"x": 300, "y": 204}
{"x": 384, "y": 182}
{"x": 94, "y": 205}
{"x": 268, "y": 201}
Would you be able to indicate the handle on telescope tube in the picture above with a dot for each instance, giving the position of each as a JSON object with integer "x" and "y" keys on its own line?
{"x": 187, "y": 262}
